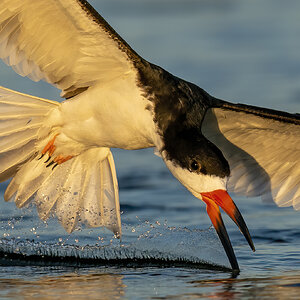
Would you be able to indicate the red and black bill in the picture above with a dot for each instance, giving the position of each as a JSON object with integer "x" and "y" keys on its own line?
{"x": 221, "y": 198}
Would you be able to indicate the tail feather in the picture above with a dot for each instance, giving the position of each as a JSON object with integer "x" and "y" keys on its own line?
{"x": 111, "y": 192}
{"x": 83, "y": 188}
{"x": 28, "y": 180}
{"x": 21, "y": 117}
{"x": 10, "y": 126}
{"x": 11, "y": 161}
{"x": 68, "y": 203}
{"x": 102, "y": 185}
{"x": 80, "y": 190}
{"x": 16, "y": 140}
{"x": 92, "y": 208}
{"x": 46, "y": 197}
{"x": 15, "y": 98}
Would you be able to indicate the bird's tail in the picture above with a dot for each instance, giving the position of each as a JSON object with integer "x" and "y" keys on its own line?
{"x": 83, "y": 188}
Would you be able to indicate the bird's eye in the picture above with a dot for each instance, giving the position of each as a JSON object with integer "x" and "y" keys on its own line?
{"x": 194, "y": 166}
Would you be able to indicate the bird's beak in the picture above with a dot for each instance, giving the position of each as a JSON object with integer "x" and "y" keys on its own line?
{"x": 221, "y": 198}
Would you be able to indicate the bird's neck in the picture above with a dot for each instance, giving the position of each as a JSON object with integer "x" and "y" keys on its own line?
{"x": 176, "y": 105}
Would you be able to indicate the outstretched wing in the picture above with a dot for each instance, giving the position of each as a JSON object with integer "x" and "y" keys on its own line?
{"x": 64, "y": 42}
{"x": 262, "y": 147}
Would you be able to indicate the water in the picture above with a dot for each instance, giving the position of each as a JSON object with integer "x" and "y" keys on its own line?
{"x": 238, "y": 50}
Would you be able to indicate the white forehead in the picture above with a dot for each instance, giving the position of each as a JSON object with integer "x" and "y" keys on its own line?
{"x": 197, "y": 183}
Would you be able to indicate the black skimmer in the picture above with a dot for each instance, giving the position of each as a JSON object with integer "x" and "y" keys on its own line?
{"x": 58, "y": 154}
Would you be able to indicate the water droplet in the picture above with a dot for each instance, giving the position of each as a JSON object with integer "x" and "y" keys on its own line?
{"x": 45, "y": 197}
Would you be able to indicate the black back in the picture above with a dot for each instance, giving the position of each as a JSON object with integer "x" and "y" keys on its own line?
{"x": 179, "y": 109}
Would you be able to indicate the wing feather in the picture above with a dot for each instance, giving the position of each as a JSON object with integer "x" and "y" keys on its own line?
{"x": 262, "y": 148}
{"x": 64, "y": 42}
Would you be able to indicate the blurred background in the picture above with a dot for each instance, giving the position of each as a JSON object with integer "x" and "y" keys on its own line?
{"x": 238, "y": 50}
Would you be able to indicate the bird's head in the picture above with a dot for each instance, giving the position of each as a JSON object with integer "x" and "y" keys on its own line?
{"x": 201, "y": 167}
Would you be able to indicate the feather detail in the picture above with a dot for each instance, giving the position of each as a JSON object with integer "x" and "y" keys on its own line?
{"x": 263, "y": 152}
{"x": 36, "y": 46}
{"x": 80, "y": 188}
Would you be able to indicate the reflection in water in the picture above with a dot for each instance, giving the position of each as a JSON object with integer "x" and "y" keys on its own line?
{"x": 278, "y": 288}
{"x": 90, "y": 286}
{"x": 157, "y": 282}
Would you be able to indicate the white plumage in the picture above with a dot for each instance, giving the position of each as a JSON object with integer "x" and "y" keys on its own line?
{"x": 61, "y": 43}
{"x": 21, "y": 118}
{"x": 84, "y": 188}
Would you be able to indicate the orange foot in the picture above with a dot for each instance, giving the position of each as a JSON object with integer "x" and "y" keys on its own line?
{"x": 61, "y": 159}
{"x": 50, "y": 148}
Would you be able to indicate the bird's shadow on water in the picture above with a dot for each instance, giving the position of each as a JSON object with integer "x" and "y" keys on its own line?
{"x": 241, "y": 163}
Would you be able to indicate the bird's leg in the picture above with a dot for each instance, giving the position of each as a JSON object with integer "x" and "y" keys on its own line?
{"x": 50, "y": 148}
{"x": 61, "y": 159}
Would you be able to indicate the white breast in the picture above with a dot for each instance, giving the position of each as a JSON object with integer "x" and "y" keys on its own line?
{"x": 114, "y": 115}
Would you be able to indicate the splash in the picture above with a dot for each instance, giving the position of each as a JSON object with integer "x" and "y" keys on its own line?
{"x": 159, "y": 245}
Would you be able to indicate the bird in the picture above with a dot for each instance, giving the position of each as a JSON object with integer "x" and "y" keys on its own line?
{"x": 58, "y": 154}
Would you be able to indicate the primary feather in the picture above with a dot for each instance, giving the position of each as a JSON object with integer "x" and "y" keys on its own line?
{"x": 263, "y": 153}
{"x": 60, "y": 41}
